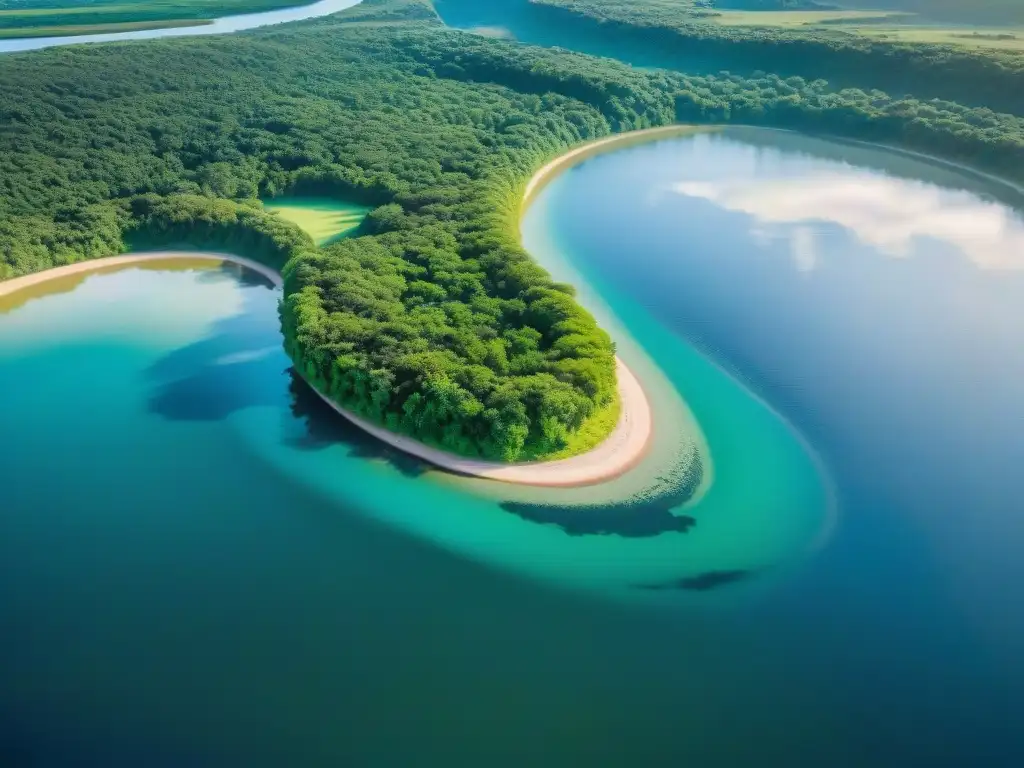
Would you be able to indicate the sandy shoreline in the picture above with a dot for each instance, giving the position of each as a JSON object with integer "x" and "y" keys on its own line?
{"x": 615, "y": 141}
{"x": 616, "y": 454}
{"x": 95, "y": 265}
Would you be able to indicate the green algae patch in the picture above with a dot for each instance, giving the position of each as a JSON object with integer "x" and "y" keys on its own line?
{"x": 323, "y": 219}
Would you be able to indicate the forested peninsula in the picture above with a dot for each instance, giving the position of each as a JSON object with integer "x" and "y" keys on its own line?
{"x": 431, "y": 320}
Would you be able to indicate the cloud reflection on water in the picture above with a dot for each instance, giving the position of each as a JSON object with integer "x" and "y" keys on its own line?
{"x": 898, "y": 217}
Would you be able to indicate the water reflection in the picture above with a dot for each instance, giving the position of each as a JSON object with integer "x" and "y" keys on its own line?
{"x": 324, "y": 428}
{"x": 897, "y": 217}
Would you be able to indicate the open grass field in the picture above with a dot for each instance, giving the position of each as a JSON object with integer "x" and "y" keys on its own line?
{"x": 801, "y": 18}
{"x": 322, "y": 219}
{"x": 996, "y": 38}
{"x": 891, "y": 26}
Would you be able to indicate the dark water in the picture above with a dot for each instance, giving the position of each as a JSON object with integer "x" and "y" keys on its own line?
{"x": 199, "y": 567}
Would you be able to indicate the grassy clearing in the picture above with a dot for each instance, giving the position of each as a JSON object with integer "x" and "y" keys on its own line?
{"x": 893, "y": 27}
{"x": 800, "y": 18}
{"x": 322, "y": 219}
{"x": 995, "y": 38}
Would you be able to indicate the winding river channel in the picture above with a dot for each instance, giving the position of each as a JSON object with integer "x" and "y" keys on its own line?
{"x": 823, "y": 538}
{"x": 221, "y": 26}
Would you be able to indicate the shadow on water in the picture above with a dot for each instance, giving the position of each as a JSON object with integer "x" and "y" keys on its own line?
{"x": 247, "y": 278}
{"x": 325, "y": 428}
{"x": 252, "y": 328}
{"x": 636, "y": 518}
{"x": 29, "y": 746}
{"x": 241, "y": 363}
{"x": 702, "y": 582}
{"x": 226, "y": 371}
{"x": 213, "y": 393}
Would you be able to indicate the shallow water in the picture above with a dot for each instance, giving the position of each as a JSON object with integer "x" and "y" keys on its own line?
{"x": 201, "y": 565}
{"x": 223, "y": 25}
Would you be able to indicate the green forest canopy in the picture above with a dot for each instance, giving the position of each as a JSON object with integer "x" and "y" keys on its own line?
{"x": 432, "y": 321}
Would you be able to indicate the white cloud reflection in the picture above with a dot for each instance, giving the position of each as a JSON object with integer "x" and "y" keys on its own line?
{"x": 895, "y": 216}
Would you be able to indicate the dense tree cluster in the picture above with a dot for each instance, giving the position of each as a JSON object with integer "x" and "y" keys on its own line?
{"x": 630, "y": 98}
{"x": 432, "y": 321}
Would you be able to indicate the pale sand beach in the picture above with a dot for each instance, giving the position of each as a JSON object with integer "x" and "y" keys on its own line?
{"x": 566, "y": 161}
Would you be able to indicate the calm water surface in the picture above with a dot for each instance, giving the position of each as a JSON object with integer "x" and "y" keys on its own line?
{"x": 200, "y": 566}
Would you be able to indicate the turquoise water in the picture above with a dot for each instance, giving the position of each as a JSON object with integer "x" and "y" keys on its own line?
{"x": 202, "y": 566}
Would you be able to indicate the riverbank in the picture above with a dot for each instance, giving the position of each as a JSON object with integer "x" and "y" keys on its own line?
{"x": 218, "y": 26}
{"x": 618, "y": 453}
{"x": 566, "y": 161}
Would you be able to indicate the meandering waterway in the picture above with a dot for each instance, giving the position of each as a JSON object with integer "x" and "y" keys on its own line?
{"x": 223, "y": 25}
{"x": 202, "y": 564}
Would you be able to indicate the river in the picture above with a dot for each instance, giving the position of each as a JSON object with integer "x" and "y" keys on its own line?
{"x": 220, "y": 26}
{"x": 246, "y": 580}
